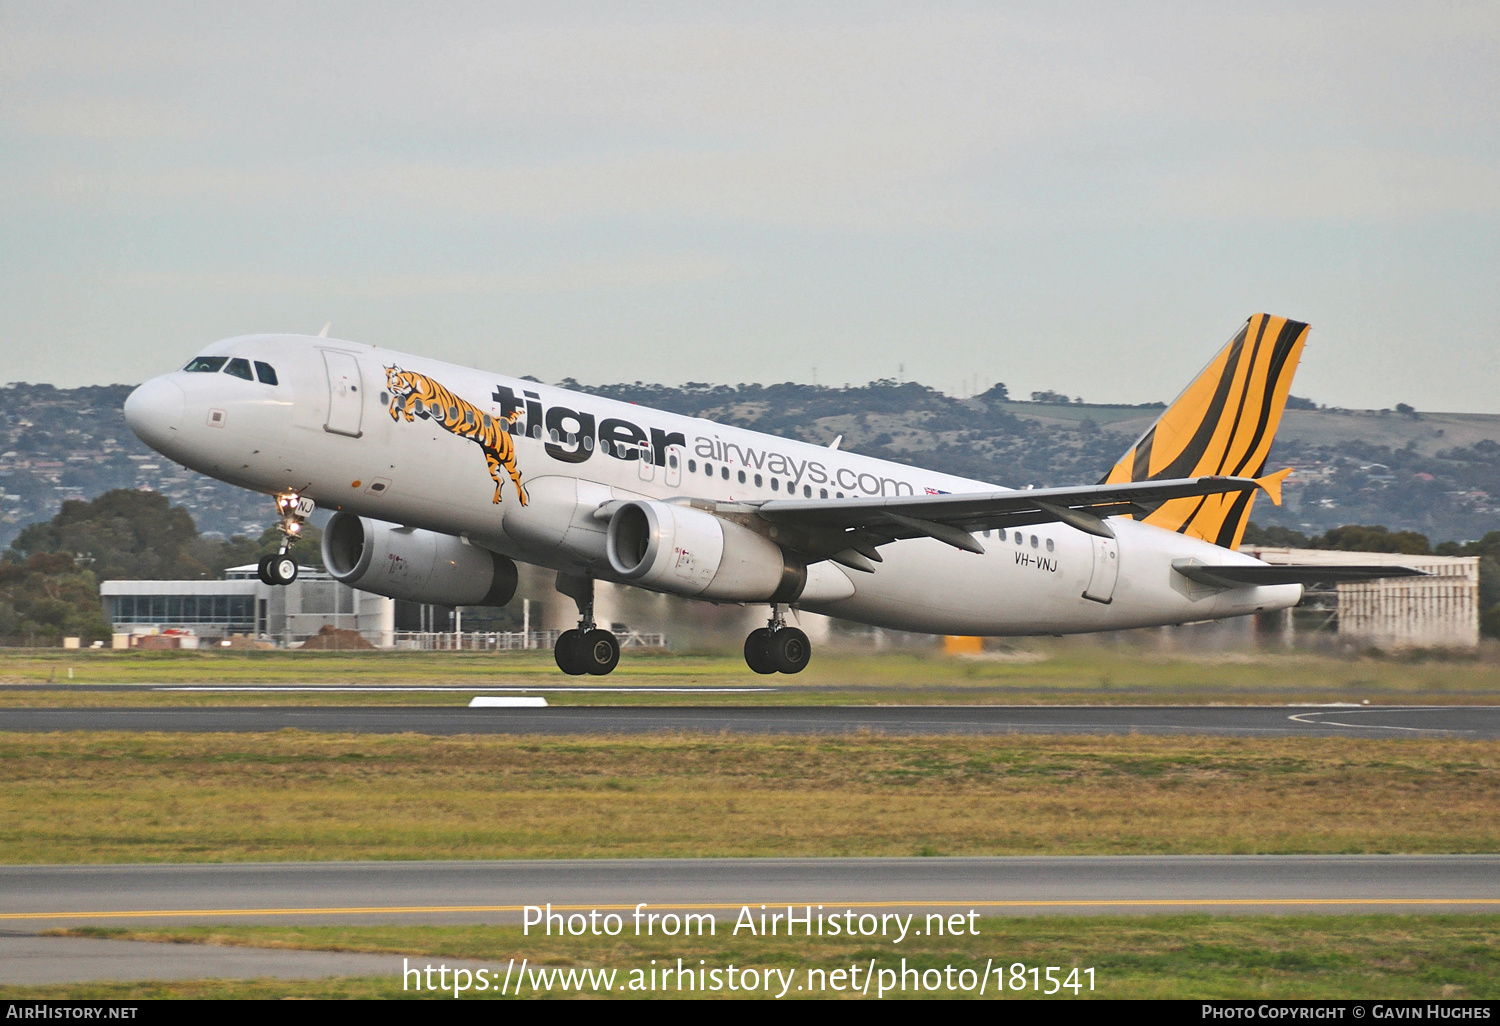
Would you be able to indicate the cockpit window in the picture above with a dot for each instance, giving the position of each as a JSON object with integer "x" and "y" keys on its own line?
{"x": 266, "y": 372}
{"x": 240, "y": 369}
{"x": 206, "y": 364}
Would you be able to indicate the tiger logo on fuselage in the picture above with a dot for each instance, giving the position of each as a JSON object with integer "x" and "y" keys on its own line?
{"x": 416, "y": 395}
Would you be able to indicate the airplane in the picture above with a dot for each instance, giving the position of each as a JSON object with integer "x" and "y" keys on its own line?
{"x": 442, "y": 478}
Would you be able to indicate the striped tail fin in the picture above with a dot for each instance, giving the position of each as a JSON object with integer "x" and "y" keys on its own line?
{"x": 1223, "y": 423}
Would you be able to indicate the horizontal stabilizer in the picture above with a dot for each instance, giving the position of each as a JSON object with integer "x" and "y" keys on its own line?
{"x": 1251, "y": 575}
{"x": 1271, "y": 484}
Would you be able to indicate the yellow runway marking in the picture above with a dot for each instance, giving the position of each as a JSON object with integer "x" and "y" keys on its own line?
{"x": 443, "y": 909}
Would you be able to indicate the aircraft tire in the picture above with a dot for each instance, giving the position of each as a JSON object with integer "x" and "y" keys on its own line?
{"x": 598, "y": 652}
{"x": 758, "y": 651}
{"x": 566, "y": 652}
{"x": 282, "y": 570}
{"x": 263, "y": 570}
{"x": 790, "y": 650}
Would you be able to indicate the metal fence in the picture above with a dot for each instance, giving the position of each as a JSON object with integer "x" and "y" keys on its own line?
{"x": 505, "y": 641}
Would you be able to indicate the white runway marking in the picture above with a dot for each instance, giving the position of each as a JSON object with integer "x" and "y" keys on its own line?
{"x": 506, "y": 702}
{"x": 1298, "y": 718}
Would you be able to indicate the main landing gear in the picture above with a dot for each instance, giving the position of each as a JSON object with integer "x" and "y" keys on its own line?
{"x": 281, "y": 569}
{"x": 586, "y": 648}
{"x": 777, "y": 648}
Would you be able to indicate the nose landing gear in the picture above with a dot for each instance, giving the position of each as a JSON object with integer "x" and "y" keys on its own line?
{"x": 281, "y": 569}
{"x": 777, "y": 648}
{"x": 586, "y": 648}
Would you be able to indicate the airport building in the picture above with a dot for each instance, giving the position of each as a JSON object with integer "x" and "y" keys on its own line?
{"x": 241, "y": 604}
{"x": 1437, "y": 611}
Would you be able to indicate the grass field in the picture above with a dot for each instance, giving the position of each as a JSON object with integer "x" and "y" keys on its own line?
{"x": 1038, "y": 671}
{"x": 122, "y": 797}
{"x": 1253, "y": 957}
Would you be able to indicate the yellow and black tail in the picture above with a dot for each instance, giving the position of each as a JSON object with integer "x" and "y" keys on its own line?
{"x": 1223, "y": 423}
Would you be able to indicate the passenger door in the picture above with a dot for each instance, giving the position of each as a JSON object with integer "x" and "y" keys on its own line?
{"x": 345, "y": 403}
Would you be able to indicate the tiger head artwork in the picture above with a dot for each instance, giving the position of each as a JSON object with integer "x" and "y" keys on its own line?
{"x": 416, "y": 395}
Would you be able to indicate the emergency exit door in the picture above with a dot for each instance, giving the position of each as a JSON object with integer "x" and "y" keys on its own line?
{"x": 675, "y": 455}
{"x": 345, "y": 403}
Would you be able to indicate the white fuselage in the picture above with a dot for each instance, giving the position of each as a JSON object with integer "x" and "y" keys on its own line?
{"x": 325, "y": 431}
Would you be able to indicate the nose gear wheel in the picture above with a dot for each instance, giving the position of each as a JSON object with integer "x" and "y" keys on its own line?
{"x": 277, "y": 571}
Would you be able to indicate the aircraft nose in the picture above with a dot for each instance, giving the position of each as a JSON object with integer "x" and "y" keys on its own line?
{"x": 154, "y": 411}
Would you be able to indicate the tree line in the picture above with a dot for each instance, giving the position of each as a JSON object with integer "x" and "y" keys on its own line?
{"x": 49, "y": 578}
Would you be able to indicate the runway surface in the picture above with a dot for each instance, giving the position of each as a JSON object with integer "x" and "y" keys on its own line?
{"x": 39, "y": 897}
{"x": 34, "y": 898}
{"x": 1376, "y": 721}
{"x": 42, "y": 960}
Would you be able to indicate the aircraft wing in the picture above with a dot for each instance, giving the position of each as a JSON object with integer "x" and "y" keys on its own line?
{"x": 861, "y": 524}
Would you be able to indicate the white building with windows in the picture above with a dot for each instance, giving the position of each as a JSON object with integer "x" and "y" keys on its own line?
{"x": 241, "y": 604}
{"x": 1440, "y": 610}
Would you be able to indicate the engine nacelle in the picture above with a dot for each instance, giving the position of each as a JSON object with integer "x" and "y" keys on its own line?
{"x": 686, "y": 551}
{"x": 413, "y": 564}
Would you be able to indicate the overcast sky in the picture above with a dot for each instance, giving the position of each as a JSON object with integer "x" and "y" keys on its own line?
{"x": 1089, "y": 198}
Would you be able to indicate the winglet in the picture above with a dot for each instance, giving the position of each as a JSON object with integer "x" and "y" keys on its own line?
{"x": 324, "y": 332}
{"x": 1271, "y": 484}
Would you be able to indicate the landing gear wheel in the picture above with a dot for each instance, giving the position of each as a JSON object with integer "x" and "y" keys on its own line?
{"x": 598, "y": 651}
{"x": 758, "y": 651}
{"x": 281, "y": 570}
{"x": 263, "y": 570}
{"x": 790, "y": 650}
{"x": 566, "y": 652}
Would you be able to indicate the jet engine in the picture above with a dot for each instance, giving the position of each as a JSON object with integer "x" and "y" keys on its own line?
{"x": 413, "y": 564}
{"x": 687, "y": 551}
